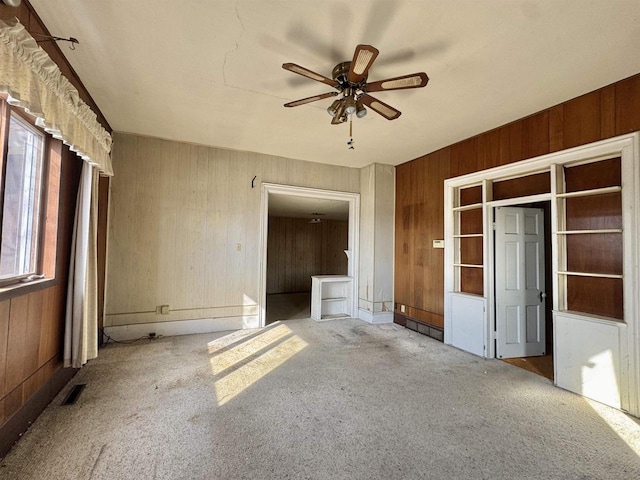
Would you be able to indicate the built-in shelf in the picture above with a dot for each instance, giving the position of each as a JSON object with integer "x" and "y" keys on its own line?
{"x": 472, "y": 206}
{"x": 467, "y": 265}
{"x": 584, "y": 232}
{"x": 469, "y": 235}
{"x": 331, "y": 297}
{"x": 586, "y": 193}
{"x": 587, "y": 274}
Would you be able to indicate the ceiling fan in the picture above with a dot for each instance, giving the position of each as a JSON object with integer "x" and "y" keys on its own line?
{"x": 350, "y": 81}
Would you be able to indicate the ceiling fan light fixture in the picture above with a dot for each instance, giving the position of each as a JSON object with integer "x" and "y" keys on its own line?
{"x": 360, "y": 110}
{"x": 350, "y": 105}
{"x": 334, "y": 107}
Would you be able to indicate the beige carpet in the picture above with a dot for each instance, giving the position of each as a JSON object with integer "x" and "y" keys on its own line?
{"x": 305, "y": 400}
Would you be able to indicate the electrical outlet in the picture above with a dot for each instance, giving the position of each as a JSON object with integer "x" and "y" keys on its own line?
{"x": 162, "y": 310}
{"x": 152, "y": 335}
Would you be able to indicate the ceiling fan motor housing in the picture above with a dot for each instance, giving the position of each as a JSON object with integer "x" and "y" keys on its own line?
{"x": 340, "y": 74}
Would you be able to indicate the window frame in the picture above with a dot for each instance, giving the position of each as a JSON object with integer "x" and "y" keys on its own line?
{"x": 6, "y": 110}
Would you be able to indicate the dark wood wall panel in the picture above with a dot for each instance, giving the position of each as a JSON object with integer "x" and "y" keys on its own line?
{"x": 402, "y": 265}
{"x": 471, "y": 195}
{"x": 297, "y": 249}
{"x": 607, "y": 112}
{"x": 598, "y": 296}
{"x": 419, "y": 269}
{"x": 31, "y": 325}
{"x": 471, "y": 280}
{"x": 522, "y": 186}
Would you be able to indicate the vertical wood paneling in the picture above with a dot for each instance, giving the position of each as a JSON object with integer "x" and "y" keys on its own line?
{"x": 627, "y": 101}
{"x": 31, "y": 325}
{"x": 581, "y": 120}
{"x": 402, "y": 221}
{"x": 556, "y": 132}
{"x": 610, "y": 111}
{"x": 32, "y": 337}
{"x": 493, "y": 148}
{"x": 179, "y": 213}
{"x": 4, "y": 338}
{"x": 419, "y": 229}
{"x": 16, "y": 350}
{"x": 297, "y": 249}
{"x": 103, "y": 204}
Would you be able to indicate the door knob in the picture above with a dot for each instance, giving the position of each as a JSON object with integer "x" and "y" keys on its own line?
{"x": 542, "y": 296}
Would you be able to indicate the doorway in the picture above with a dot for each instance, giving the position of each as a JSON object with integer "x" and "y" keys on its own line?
{"x": 304, "y": 232}
{"x": 523, "y": 295}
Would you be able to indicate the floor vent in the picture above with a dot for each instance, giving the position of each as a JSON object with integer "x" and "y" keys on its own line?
{"x": 74, "y": 394}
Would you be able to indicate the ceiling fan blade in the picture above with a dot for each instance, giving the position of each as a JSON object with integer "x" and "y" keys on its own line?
{"x": 387, "y": 111}
{"x": 362, "y": 60}
{"x": 302, "y": 101}
{"x": 415, "y": 80}
{"x": 305, "y": 72}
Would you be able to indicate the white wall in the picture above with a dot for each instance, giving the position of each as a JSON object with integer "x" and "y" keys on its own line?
{"x": 377, "y": 196}
{"x": 185, "y": 227}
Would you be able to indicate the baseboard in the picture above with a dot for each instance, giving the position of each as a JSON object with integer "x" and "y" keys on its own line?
{"x": 20, "y": 421}
{"x": 181, "y": 327}
{"x": 375, "y": 318}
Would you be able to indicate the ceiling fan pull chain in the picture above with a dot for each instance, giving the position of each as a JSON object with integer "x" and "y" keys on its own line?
{"x": 350, "y": 142}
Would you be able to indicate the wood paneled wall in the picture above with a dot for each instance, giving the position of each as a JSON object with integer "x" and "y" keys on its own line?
{"x": 185, "y": 227}
{"x": 610, "y": 111}
{"x": 32, "y": 324}
{"x": 297, "y": 249}
{"x": 32, "y": 319}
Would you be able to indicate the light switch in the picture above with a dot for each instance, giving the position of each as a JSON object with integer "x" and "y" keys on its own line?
{"x": 238, "y": 247}
{"x": 438, "y": 244}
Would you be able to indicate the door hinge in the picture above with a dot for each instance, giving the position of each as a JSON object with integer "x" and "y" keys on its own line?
{"x": 493, "y": 225}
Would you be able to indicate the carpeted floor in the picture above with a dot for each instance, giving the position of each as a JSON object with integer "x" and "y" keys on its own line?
{"x": 332, "y": 400}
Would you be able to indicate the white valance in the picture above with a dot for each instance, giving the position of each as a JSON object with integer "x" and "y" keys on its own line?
{"x": 34, "y": 82}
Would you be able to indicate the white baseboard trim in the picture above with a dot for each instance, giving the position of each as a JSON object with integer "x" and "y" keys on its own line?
{"x": 182, "y": 327}
{"x": 375, "y": 318}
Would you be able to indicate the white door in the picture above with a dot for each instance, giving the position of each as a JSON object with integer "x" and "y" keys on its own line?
{"x": 519, "y": 273}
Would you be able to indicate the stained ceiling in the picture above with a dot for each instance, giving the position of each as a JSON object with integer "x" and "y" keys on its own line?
{"x": 210, "y": 72}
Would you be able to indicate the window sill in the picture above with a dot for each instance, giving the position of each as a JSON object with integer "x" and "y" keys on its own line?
{"x": 23, "y": 288}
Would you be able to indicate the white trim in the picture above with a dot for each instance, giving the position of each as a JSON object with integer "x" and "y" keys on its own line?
{"x": 541, "y": 197}
{"x": 375, "y": 318}
{"x": 627, "y": 148}
{"x": 181, "y": 327}
{"x": 354, "y": 235}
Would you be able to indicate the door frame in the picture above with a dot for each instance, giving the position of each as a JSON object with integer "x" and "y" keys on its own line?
{"x": 353, "y": 200}
{"x": 627, "y": 333}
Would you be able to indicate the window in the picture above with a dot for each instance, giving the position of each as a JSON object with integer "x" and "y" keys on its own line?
{"x": 27, "y": 235}
{"x": 22, "y": 200}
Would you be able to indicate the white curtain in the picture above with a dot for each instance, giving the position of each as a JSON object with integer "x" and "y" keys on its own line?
{"x": 81, "y": 322}
{"x": 31, "y": 80}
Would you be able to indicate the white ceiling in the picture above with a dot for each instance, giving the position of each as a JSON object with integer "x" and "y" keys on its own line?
{"x": 293, "y": 206}
{"x": 209, "y": 72}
